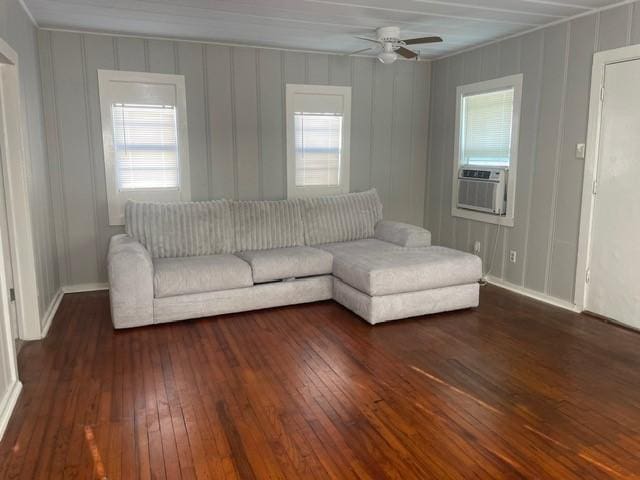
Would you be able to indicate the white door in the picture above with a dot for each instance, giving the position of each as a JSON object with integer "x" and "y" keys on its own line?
{"x": 613, "y": 290}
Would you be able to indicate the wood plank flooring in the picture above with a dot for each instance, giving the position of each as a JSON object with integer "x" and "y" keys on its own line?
{"x": 513, "y": 389}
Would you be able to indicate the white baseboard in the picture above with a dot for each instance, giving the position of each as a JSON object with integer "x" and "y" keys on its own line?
{"x": 85, "y": 287}
{"x": 7, "y": 404}
{"x": 55, "y": 303}
{"x": 51, "y": 312}
{"x": 556, "y": 302}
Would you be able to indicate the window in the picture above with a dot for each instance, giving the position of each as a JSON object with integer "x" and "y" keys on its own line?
{"x": 487, "y": 127}
{"x": 144, "y": 131}
{"x": 318, "y": 149}
{"x": 146, "y": 146}
{"x": 318, "y": 127}
{"x": 487, "y": 121}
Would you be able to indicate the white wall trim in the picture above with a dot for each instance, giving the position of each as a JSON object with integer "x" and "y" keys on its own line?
{"x": 600, "y": 62}
{"x": 7, "y": 404}
{"x": 329, "y": 103}
{"x": 131, "y": 87}
{"x": 57, "y": 299}
{"x": 85, "y": 287}
{"x": 51, "y": 312}
{"x": 506, "y": 82}
{"x": 14, "y": 145}
{"x": 556, "y": 302}
{"x": 535, "y": 29}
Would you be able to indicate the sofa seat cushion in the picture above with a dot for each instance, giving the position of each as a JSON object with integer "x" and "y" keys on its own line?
{"x": 381, "y": 268}
{"x": 281, "y": 263}
{"x": 210, "y": 273}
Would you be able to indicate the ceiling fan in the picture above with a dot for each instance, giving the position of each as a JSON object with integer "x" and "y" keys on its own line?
{"x": 390, "y": 45}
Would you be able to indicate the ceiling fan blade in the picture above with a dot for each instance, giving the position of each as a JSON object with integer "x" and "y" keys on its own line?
{"x": 406, "y": 53}
{"x": 368, "y": 39}
{"x": 417, "y": 41}
{"x": 359, "y": 51}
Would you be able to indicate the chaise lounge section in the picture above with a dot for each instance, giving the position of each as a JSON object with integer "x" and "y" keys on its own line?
{"x": 190, "y": 260}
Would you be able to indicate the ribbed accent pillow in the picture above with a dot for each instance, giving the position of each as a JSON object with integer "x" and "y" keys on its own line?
{"x": 341, "y": 218}
{"x": 186, "y": 229}
{"x": 261, "y": 225}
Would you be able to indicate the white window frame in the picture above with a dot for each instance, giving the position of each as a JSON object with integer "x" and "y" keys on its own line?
{"x": 116, "y": 198}
{"x": 294, "y": 191}
{"x": 511, "y": 81}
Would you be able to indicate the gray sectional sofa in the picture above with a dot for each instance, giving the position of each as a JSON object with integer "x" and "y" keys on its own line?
{"x": 188, "y": 260}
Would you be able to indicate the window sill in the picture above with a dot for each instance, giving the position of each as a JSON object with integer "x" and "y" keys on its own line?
{"x": 504, "y": 220}
{"x": 316, "y": 191}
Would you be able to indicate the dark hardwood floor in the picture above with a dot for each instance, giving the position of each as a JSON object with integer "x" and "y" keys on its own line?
{"x": 513, "y": 389}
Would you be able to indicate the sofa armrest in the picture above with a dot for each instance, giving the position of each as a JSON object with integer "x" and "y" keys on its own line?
{"x": 130, "y": 270}
{"x": 402, "y": 234}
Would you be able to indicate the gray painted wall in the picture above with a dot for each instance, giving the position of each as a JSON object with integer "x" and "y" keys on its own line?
{"x": 18, "y": 31}
{"x": 235, "y": 100}
{"x": 556, "y": 63}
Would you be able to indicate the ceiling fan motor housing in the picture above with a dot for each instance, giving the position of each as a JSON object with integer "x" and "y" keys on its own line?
{"x": 388, "y": 34}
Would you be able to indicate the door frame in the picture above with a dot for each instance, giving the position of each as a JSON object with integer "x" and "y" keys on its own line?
{"x": 600, "y": 62}
{"x": 8, "y": 85}
{"x": 16, "y": 164}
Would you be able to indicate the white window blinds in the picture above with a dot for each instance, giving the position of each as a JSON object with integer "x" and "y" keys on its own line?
{"x": 145, "y": 140}
{"x": 487, "y": 127}
{"x": 318, "y": 149}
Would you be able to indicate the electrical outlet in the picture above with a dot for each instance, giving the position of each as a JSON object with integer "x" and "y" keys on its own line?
{"x": 476, "y": 247}
{"x": 513, "y": 256}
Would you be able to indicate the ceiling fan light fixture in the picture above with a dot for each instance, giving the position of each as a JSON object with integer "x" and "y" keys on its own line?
{"x": 391, "y": 45}
{"x": 387, "y": 57}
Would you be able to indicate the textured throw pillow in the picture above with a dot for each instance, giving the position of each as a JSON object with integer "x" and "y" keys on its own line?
{"x": 262, "y": 225}
{"x": 183, "y": 229}
{"x": 341, "y": 218}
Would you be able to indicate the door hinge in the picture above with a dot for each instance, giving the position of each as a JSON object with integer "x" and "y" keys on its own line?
{"x": 595, "y": 187}
{"x": 602, "y": 94}
{"x": 12, "y": 294}
{"x": 588, "y": 276}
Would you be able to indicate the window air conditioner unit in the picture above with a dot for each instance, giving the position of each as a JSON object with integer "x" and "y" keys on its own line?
{"x": 483, "y": 189}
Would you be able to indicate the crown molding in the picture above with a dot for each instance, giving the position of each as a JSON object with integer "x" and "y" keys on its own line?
{"x": 223, "y": 44}
{"x": 593, "y": 11}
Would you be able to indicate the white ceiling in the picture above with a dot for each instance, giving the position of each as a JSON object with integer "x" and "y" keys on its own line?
{"x": 323, "y": 25}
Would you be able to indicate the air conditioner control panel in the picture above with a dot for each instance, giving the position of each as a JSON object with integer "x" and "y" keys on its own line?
{"x": 491, "y": 174}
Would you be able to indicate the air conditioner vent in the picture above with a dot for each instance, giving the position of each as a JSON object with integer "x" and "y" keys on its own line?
{"x": 479, "y": 194}
{"x": 483, "y": 190}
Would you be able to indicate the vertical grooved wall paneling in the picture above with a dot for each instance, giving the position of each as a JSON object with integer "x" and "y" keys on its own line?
{"x": 237, "y": 137}
{"x": 556, "y": 62}
{"x": 73, "y": 138}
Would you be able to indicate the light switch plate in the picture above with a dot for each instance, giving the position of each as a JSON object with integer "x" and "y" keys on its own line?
{"x": 580, "y": 150}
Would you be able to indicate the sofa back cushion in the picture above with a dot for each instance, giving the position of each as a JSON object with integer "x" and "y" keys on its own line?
{"x": 185, "y": 229}
{"x": 262, "y": 225}
{"x": 341, "y": 218}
